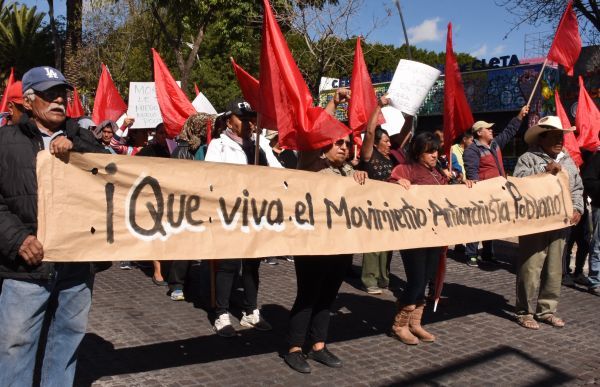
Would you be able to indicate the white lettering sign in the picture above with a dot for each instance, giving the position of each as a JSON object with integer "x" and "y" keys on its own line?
{"x": 410, "y": 85}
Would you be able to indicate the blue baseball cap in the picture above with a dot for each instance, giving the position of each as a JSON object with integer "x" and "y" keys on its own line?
{"x": 44, "y": 78}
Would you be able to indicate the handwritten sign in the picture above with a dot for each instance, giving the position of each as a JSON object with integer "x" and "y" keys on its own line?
{"x": 108, "y": 207}
{"x": 410, "y": 85}
{"x": 143, "y": 105}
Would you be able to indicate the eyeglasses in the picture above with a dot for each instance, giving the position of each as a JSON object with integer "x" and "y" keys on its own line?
{"x": 53, "y": 93}
{"x": 341, "y": 142}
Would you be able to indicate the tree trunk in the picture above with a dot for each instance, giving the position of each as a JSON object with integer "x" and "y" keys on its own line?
{"x": 73, "y": 40}
{"x": 55, "y": 37}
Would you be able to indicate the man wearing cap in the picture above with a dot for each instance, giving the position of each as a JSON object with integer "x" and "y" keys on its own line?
{"x": 236, "y": 146}
{"x": 483, "y": 160}
{"x": 14, "y": 103}
{"x": 35, "y": 291}
{"x": 539, "y": 266}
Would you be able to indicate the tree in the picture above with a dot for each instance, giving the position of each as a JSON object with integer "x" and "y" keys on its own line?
{"x": 24, "y": 41}
{"x": 536, "y": 12}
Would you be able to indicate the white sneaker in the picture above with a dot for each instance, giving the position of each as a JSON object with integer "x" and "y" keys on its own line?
{"x": 255, "y": 321}
{"x": 223, "y": 326}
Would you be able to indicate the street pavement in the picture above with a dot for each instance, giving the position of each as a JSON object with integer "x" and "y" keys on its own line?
{"x": 137, "y": 336}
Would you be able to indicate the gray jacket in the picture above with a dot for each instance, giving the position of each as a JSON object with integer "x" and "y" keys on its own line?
{"x": 534, "y": 162}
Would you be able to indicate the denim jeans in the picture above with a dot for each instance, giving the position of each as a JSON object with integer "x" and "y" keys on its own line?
{"x": 594, "y": 259}
{"x": 487, "y": 250}
{"x": 24, "y": 306}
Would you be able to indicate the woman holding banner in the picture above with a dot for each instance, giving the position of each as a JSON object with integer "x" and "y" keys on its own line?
{"x": 319, "y": 277}
{"x": 419, "y": 264}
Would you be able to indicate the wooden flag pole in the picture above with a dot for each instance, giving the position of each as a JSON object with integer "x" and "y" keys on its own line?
{"x": 537, "y": 81}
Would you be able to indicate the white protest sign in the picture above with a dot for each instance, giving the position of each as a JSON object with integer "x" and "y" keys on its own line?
{"x": 203, "y": 105}
{"x": 394, "y": 120}
{"x": 410, "y": 85}
{"x": 328, "y": 84}
{"x": 143, "y": 105}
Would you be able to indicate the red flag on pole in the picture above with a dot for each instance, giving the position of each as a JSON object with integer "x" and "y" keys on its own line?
{"x": 11, "y": 80}
{"x": 285, "y": 103}
{"x": 108, "y": 104}
{"x": 363, "y": 100}
{"x": 196, "y": 89}
{"x": 76, "y": 108}
{"x": 570, "y": 141}
{"x": 457, "y": 113}
{"x": 587, "y": 120}
{"x": 175, "y": 107}
{"x": 566, "y": 46}
{"x": 248, "y": 84}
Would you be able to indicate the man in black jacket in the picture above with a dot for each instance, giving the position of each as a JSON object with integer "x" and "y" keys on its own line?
{"x": 35, "y": 291}
{"x": 591, "y": 183}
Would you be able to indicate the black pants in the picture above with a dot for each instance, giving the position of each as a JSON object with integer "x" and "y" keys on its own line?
{"x": 227, "y": 269}
{"x": 580, "y": 235}
{"x": 420, "y": 266}
{"x": 319, "y": 279}
{"x": 177, "y": 274}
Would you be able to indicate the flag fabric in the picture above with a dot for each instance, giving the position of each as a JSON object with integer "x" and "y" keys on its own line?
{"x": 75, "y": 108}
{"x": 248, "y": 84}
{"x": 587, "y": 120}
{"x": 571, "y": 143}
{"x": 196, "y": 89}
{"x": 363, "y": 101}
{"x": 108, "y": 104}
{"x": 11, "y": 80}
{"x": 457, "y": 113}
{"x": 285, "y": 102}
{"x": 175, "y": 107}
{"x": 566, "y": 45}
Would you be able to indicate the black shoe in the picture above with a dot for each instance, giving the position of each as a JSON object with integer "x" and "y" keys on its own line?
{"x": 297, "y": 362}
{"x": 491, "y": 261}
{"x": 325, "y": 357}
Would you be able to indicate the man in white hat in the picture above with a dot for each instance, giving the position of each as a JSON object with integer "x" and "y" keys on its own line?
{"x": 540, "y": 255}
{"x": 483, "y": 160}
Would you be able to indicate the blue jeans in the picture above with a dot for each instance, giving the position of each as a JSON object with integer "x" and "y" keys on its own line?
{"x": 594, "y": 259}
{"x": 23, "y": 308}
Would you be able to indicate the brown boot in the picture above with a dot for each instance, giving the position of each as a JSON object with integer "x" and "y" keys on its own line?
{"x": 415, "y": 327}
{"x": 400, "y": 327}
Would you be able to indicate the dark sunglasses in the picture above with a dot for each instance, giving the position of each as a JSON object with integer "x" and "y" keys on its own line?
{"x": 52, "y": 93}
{"x": 341, "y": 142}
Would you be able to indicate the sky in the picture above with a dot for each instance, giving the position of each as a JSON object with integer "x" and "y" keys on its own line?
{"x": 479, "y": 26}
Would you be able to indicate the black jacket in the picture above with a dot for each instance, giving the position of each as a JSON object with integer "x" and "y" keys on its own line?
{"x": 19, "y": 145}
{"x": 591, "y": 179}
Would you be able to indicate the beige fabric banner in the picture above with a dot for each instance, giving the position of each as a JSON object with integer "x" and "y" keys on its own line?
{"x": 105, "y": 207}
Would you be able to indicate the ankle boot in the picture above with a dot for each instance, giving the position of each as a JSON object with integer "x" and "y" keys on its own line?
{"x": 414, "y": 325}
{"x": 400, "y": 328}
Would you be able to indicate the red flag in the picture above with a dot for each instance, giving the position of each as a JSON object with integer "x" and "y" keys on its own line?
{"x": 11, "y": 80}
{"x": 457, "y": 113}
{"x": 175, "y": 107}
{"x": 363, "y": 100}
{"x": 76, "y": 106}
{"x": 108, "y": 104}
{"x": 196, "y": 89}
{"x": 587, "y": 120}
{"x": 248, "y": 84}
{"x": 285, "y": 103}
{"x": 566, "y": 46}
{"x": 570, "y": 141}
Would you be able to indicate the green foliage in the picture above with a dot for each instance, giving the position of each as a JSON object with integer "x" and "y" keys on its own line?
{"x": 24, "y": 40}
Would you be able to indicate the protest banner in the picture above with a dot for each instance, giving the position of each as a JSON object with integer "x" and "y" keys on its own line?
{"x": 410, "y": 85}
{"x": 143, "y": 105}
{"x": 96, "y": 207}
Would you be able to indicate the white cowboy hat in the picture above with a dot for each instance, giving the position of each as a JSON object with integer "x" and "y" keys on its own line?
{"x": 545, "y": 124}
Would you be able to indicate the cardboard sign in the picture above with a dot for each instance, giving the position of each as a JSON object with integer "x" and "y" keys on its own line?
{"x": 99, "y": 207}
{"x": 410, "y": 85}
{"x": 143, "y": 105}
